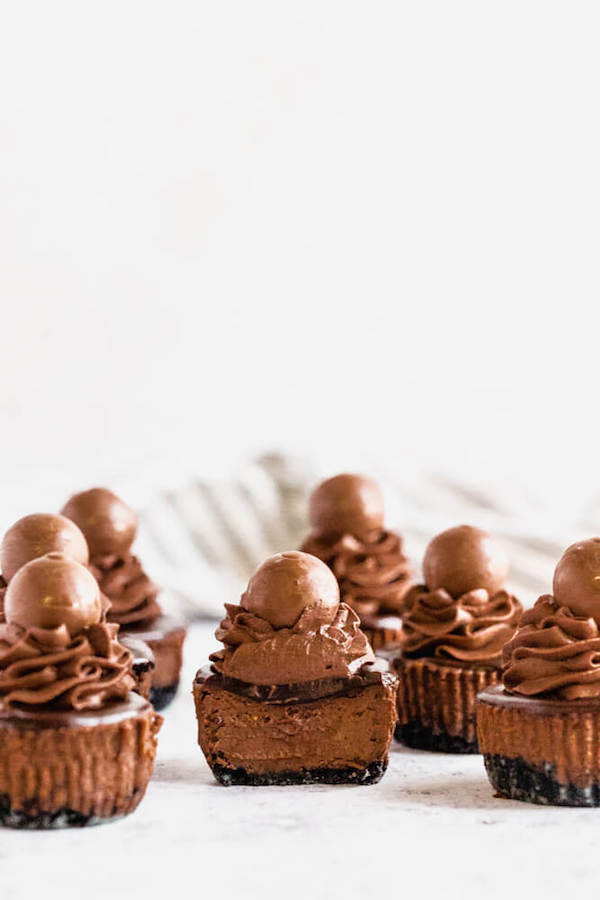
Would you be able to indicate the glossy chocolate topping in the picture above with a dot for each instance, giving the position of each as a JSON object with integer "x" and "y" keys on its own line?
{"x": 464, "y": 559}
{"x": 54, "y": 649}
{"x": 52, "y": 591}
{"x": 38, "y": 534}
{"x": 289, "y": 583}
{"x": 322, "y": 639}
{"x": 554, "y": 654}
{"x": 577, "y": 579}
{"x": 132, "y": 595}
{"x": 374, "y": 575}
{"x": 346, "y": 504}
{"x": 471, "y": 628}
{"x": 109, "y": 525}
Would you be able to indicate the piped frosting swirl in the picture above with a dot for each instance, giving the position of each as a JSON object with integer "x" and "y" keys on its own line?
{"x": 132, "y": 595}
{"x": 471, "y": 628}
{"x": 554, "y": 654}
{"x": 314, "y": 647}
{"x": 374, "y": 575}
{"x": 50, "y": 668}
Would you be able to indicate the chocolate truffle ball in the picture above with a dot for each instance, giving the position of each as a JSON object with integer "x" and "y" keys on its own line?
{"x": 286, "y": 584}
{"x": 346, "y": 504}
{"x": 577, "y": 579}
{"x": 51, "y": 591}
{"x": 108, "y": 524}
{"x": 38, "y": 534}
{"x": 463, "y": 559}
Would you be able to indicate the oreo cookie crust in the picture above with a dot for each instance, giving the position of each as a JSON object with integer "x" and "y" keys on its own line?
{"x": 421, "y": 737}
{"x": 516, "y": 779}
{"x": 29, "y": 820}
{"x": 370, "y": 775}
{"x": 160, "y": 697}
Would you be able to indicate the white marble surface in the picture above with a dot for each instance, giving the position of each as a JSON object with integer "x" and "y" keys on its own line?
{"x": 431, "y": 827}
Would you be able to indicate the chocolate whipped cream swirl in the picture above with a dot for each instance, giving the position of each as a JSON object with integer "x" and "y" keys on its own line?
{"x": 131, "y": 593}
{"x": 554, "y": 653}
{"x": 374, "y": 575}
{"x": 471, "y": 628}
{"x": 47, "y": 667}
{"x": 313, "y": 648}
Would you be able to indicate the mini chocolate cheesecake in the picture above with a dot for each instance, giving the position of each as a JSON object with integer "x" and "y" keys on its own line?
{"x": 451, "y": 641}
{"x": 348, "y": 534}
{"x": 77, "y": 746}
{"x": 296, "y": 696}
{"x": 539, "y": 731}
{"x": 110, "y": 526}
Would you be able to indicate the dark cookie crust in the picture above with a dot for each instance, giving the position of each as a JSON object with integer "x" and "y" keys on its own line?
{"x": 419, "y": 736}
{"x": 32, "y": 820}
{"x": 371, "y": 775}
{"x": 517, "y": 779}
{"x": 160, "y": 697}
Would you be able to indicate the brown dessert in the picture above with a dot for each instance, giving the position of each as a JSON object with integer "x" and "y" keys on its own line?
{"x": 539, "y": 731}
{"x": 76, "y": 746}
{"x": 348, "y": 534}
{"x": 452, "y": 638}
{"x": 110, "y": 526}
{"x": 295, "y": 696}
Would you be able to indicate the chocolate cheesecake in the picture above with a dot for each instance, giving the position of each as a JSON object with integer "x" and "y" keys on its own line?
{"x": 295, "y": 696}
{"x": 76, "y": 746}
{"x": 452, "y": 637}
{"x": 110, "y": 527}
{"x": 348, "y": 534}
{"x": 539, "y": 731}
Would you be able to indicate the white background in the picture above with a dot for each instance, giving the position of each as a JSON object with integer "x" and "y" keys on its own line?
{"x": 361, "y": 226}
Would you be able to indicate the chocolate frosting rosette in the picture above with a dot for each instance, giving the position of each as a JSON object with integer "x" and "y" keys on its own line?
{"x": 66, "y": 704}
{"x": 295, "y": 695}
{"x": 452, "y": 639}
{"x": 110, "y": 527}
{"x": 554, "y": 654}
{"x": 540, "y": 729}
{"x": 471, "y": 628}
{"x": 348, "y": 534}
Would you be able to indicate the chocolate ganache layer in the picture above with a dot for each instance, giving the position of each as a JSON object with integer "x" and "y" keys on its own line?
{"x": 375, "y": 673}
{"x": 373, "y": 573}
{"x": 131, "y": 593}
{"x": 48, "y": 667}
{"x": 554, "y": 654}
{"x": 473, "y": 627}
{"x": 316, "y": 646}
